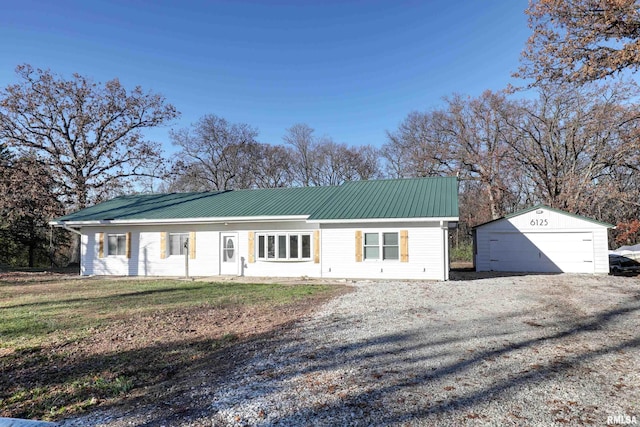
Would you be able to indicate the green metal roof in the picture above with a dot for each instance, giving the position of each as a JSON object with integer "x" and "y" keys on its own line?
{"x": 393, "y": 198}
{"x": 383, "y": 199}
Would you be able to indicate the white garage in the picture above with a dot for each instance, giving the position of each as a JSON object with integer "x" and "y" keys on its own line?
{"x": 542, "y": 240}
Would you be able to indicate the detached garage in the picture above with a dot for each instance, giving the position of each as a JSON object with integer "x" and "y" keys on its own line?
{"x": 542, "y": 240}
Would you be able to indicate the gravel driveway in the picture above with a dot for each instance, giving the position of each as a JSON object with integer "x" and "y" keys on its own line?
{"x": 521, "y": 350}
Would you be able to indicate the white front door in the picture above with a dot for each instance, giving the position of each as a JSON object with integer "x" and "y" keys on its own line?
{"x": 229, "y": 253}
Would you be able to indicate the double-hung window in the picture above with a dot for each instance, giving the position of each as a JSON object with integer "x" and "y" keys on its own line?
{"x": 116, "y": 244}
{"x": 177, "y": 243}
{"x": 284, "y": 246}
{"x": 381, "y": 246}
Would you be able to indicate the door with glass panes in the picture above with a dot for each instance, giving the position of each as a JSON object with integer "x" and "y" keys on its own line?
{"x": 229, "y": 253}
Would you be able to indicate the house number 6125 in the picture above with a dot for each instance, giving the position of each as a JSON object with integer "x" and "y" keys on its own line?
{"x": 539, "y": 222}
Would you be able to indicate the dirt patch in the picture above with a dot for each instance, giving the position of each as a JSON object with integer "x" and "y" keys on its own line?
{"x": 139, "y": 360}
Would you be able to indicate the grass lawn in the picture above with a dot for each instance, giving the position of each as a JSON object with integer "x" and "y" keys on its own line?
{"x": 69, "y": 344}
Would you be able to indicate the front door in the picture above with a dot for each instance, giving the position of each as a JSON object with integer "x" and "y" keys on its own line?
{"x": 229, "y": 254}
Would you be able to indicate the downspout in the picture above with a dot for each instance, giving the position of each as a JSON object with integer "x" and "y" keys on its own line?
{"x": 444, "y": 226}
{"x": 66, "y": 227}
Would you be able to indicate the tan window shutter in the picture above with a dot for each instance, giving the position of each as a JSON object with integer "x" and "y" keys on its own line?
{"x": 100, "y": 245}
{"x": 192, "y": 245}
{"x": 252, "y": 247}
{"x": 358, "y": 246}
{"x": 128, "y": 239}
{"x": 316, "y": 246}
{"x": 404, "y": 245}
{"x": 163, "y": 245}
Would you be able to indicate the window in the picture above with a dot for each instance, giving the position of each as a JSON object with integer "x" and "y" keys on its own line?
{"x": 229, "y": 254}
{"x": 390, "y": 248}
{"x": 285, "y": 246}
{"x": 306, "y": 245}
{"x": 116, "y": 244}
{"x": 381, "y": 246}
{"x": 293, "y": 246}
{"x": 282, "y": 246}
{"x": 177, "y": 243}
{"x": 261, "y": 246}
{"x": 271, "y": 246}
{"x": 371, "y": 246}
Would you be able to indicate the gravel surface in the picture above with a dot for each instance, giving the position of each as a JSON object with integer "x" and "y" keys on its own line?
{"x": 520, "y": 350}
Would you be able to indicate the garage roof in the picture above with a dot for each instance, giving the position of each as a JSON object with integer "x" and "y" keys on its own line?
{"x": 524, "y": 211}
{"x": 435, "y": 197}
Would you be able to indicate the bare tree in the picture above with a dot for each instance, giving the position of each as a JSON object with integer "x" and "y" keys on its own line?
{"x": 321, "y": 161}
{"x": 366, "y": 162}
{"x": 216, "y": 155}
{"x": 581, "y": 40}
{"x": 303, "y": 143}
{"x": 334, "y": 164}
{"x": 466, "y": 138}
{"x": 87, "y": 134}
{"x": 416, "y": 149}
{"x": 273, "y": 167}
{"x": 575, "y": 144}
{"x": 478, "y": 139}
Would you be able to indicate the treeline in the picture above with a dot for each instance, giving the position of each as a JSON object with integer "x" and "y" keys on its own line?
{"x": 574, "y": 148}
{"x": 217, "y": 155}
{"x": 69, "y": 143}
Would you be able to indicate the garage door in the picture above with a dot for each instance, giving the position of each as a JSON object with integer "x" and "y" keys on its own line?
{"x": 542, "y": 252}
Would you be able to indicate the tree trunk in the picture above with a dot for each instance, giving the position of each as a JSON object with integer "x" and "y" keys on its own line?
{"x": 74, "y": 250}
{"x": 32, "y": 248}
{"x": 493, "y": 203}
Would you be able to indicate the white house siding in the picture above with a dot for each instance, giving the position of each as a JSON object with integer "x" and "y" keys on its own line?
{"x": 562, "y": 243}
{"x": 274, "y": 268}
{"x": 428, "y": 249}
{"x": 145, "y": 257}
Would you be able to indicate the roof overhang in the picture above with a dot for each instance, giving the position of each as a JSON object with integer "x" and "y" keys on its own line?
{"x": 243, "y": 219}
{"x": 384, "y": 220}
{"x": 540, "y": 206}
{"x": 178, "y": 221}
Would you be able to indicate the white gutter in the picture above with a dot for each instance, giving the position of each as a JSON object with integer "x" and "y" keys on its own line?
{"x": 169, "y": 221}
{"x": 224, "y": 220}
{"x": 63, "y": 225}
{"x": 378, "y": 220}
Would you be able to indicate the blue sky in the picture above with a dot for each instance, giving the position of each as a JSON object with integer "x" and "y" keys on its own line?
{"x": 349, "y": 69}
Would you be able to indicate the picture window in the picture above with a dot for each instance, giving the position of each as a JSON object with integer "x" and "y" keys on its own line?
{"x": 284, "y": 246}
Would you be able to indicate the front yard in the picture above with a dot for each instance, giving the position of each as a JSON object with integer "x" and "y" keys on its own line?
{"x": 481, "y": 349}
{"x": 68, "y": 344}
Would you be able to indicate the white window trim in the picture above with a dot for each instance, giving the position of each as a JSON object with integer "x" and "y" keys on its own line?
{"x": 182, "y": 248}
{"x": 380, "y": 245}
{"x": 276, "y": 249}
{"x": 117, "y": 246}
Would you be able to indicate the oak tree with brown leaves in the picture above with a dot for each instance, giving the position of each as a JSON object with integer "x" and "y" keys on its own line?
{"x": 87, "y": 134}
{"x": 575, "y": 147}
{"x": 628, "y": 232}
{"x": 581, "y": 40}
{"x": 26, "y": 206}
